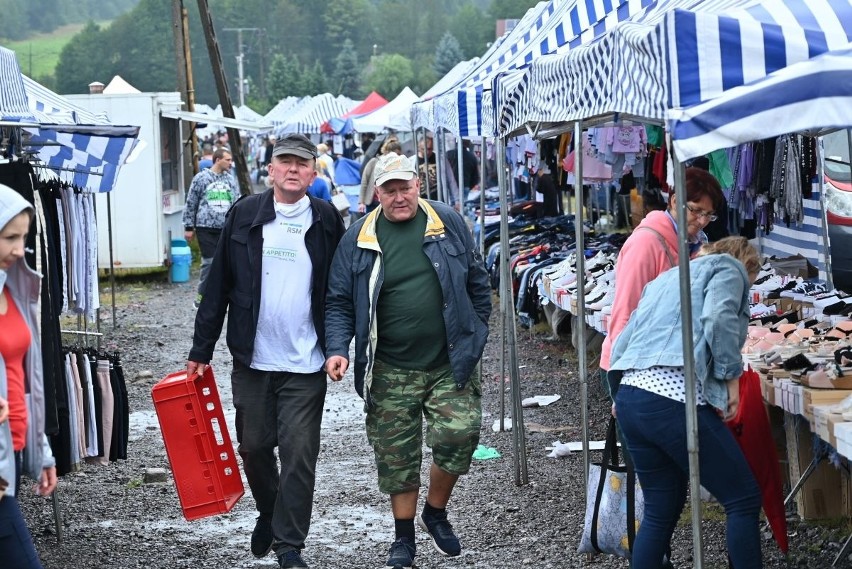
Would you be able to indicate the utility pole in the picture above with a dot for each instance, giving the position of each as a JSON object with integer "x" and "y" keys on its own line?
{"x": 241, "y": 59}
{"x": 224, "y": 96}
{"x": 190, "y": 83}
{"x": 184, "y": 79}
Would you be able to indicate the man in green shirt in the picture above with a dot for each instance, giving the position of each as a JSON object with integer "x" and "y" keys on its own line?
{"x": 408, "y": 283}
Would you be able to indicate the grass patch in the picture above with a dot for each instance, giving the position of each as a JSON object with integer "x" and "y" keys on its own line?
{"x": 39, "y": 55}
{"x": 710, "y": 511}
{"x": 135, "y": 483}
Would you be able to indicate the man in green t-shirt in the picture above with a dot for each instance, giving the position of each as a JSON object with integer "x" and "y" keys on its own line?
{"x": 408, "y": 283}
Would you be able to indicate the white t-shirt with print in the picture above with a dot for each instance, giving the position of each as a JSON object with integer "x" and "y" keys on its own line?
{"x": 286, "y": 339}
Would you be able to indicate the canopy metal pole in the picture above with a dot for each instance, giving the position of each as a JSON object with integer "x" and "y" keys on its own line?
{"x": 518, "y": 435}
{"x": 460, "y": 170}
{"x": 417, "y": 161}
{"x": 111, "y": 260}
{"x": 499, "y": 146}
{"x": 439, "y": 165}
{"x": 428, "y": 189}
{"x": 482, "y": 232}
{"x": 826, "y": 245}
{"x": 688, "y": 362}
{"x": 482, "y": 200}
{"x": 581, "y": 306}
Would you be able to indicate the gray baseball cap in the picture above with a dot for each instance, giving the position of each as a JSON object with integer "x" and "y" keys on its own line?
{"x": 295, "y": 145}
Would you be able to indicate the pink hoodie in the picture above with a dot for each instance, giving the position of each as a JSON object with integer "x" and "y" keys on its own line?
{"x": 640, "y": 261}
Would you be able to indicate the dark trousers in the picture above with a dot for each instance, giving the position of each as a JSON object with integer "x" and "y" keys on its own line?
{"x": 16, "y": 543}
{"x": 655, "y": 428}
{"x": 285, "y": 410}
{"x": 208, "y": 239}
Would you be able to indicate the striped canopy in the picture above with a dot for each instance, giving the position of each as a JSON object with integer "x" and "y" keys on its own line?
{"x": 555, "y": 27}
{"x": 13, "y": 96}
{"x": 671, "y": 53}
{"x": 281, "y": 112}
{"x": 49, "y": 107}
{"x": 459, "y": 109}
{"x": 804, "y": 97}
{"x": 422, "y": 112}
{"x": 81, "y": 147}
{"x": 313, "y": 114}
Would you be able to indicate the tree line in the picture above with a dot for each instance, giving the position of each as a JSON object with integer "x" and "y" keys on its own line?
{"x": 289, "y": 47}
{"x": 20, "y": 19}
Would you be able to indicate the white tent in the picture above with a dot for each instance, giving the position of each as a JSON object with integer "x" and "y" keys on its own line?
{"x": 309, "y": 117}
{"x": 396, "y": 115}
{"x": 280, "y": 113}
{"x": 118, "y": 86}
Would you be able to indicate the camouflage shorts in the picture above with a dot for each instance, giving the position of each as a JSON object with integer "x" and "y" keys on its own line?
{"x": 395, "y": 424}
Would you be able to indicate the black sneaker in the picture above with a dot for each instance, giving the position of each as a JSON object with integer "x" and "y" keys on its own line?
{"x": 291, "y": 558}
{"x": 261, "y": 537}
{"x": 441, "y": 532}
{"x": 401, "y": 554}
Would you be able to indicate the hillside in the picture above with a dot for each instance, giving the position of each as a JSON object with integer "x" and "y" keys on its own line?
{"x": 39, "y": 54}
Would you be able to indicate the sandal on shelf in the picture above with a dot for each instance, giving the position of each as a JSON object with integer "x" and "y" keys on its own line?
{"x": 821, "y": 378}
{"x": 785, "y": 328}
{"x": 798, "y": 362}
{"x": 837, "y": 333}
{"x": 843, "y": 355}
{"x": 772, "y": 357}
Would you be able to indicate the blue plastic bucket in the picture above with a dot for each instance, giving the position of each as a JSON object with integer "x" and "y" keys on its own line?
{"x": 181, "y": 261}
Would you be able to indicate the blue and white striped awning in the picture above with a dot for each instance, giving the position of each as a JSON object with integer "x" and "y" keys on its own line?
{"x": 313, "y": 114}
{"x": 53, "y": 108}
{"x": 422, "y": 112}
{"x": 805, "y": 97}
{"x": 615, "y": 65}
{"x": 563, "y": 25}
{"x": 459, "y": 109}
{"x": 804, "y": 239}
{"x": 673, "y": 51}
{"x": 710, "y": 53}
{"x": 88, "y": 157}
{"x": 281, "y": 112}
{"x": 13, "y": 96}
{"x": 79, "y": 146}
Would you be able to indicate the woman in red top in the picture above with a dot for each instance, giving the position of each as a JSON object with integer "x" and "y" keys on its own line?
{"x": 20, "y": 377}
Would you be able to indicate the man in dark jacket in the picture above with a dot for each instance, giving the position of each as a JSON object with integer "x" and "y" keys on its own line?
{"x": 408, "y": 283}
{"x": 270, "y": 273}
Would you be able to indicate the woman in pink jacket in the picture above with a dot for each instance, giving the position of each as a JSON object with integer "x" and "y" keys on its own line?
{"x": 652, "y": 248}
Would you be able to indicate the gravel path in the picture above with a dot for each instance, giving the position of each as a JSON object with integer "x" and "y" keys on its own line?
{"x": 110, "y": 518}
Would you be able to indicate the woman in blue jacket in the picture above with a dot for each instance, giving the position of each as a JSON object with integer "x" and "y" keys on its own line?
{"x": 650, "y": 401}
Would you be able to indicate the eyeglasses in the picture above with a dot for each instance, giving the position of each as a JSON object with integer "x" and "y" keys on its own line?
{"x": 709, "y": 216}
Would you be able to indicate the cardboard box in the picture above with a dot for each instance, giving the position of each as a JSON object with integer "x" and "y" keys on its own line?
{"x": 833, "y": 421}
{"x": 820, "y": 415}
{"x": 820, "y": 496}
{"x": 768, "y": 390}
{"x": 814, "y": 396}
{"x": 842, "y": 433}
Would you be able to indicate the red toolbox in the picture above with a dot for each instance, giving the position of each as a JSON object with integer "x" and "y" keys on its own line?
{"x": 200, "y": 452}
